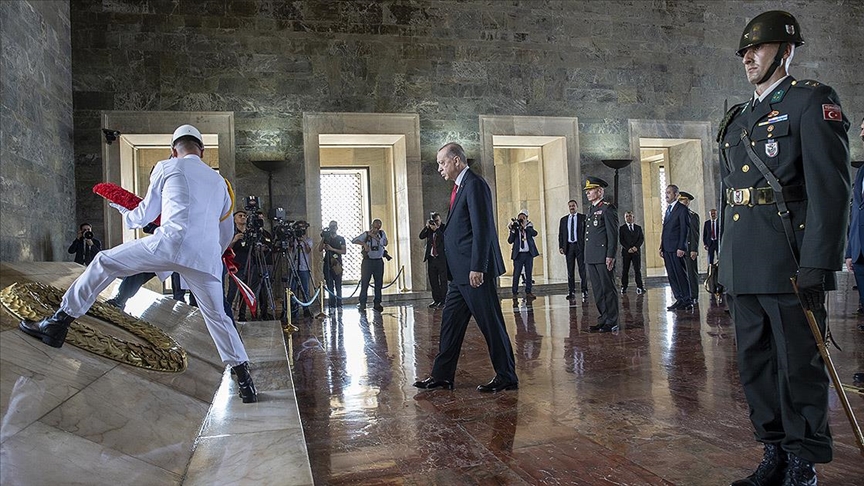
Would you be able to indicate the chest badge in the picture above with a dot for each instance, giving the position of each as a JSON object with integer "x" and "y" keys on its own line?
{"x": 771, "y": 149}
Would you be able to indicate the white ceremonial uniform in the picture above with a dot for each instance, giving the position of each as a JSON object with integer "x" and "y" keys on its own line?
{"x": 193, "y": 200}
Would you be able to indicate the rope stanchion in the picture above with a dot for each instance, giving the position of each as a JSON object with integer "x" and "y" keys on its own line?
{"x": 289, "y": 327}
{"x": 321, "y": 314}
{"x": 395, "y": 279}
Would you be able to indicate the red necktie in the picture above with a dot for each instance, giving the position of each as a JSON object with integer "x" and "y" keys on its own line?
{"x": 453, "y": 196}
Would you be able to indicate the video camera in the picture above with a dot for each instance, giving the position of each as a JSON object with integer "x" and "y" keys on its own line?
{"x": 287, "y": 231}
{"x": 254, "y": 224}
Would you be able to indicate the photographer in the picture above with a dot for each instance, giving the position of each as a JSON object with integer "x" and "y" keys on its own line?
{"x": 435, "y": 258}
{"x": 524, "y": 250}
{"x": 333, "y": 247}
{"x": 241, "y": 256}
{"x": 85, "y": 246}
{"x": 373, "y": 242}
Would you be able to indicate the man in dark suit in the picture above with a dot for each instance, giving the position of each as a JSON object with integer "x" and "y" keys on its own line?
{"x": 784, "y": 170}
{"x": 691, "y": 260}
{"x": 571, "y": 244}
{"x": 474, "y": 261}
{"x": 711, "y": 236}
{"x": 435, "y": 258}
{"x": 673, "y": 248}
{"x": 524, "y": 250}
{"x": 632, "y": 238}
{"x": 601, "y": 244}
{"x": 855, "y": 245}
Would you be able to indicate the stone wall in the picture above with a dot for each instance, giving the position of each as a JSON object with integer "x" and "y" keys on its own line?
{"x": 447, "y": 60}
{"x": 37, "y": 177}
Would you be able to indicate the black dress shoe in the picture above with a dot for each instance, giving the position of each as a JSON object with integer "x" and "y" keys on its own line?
{"x": 52, "y": 331}
{"x": 608, "y": 328}
{"x": 378, "y": 307}
{"x": 861, "y": 327}
{"x": 433, "y": 305}
{"x": 440, "y": 305}
{"x": 595, "y": 328}
{"x": 571, "y": 296}
{"x": 497, "y": 385}
{"x": 675, "y": 306}
{"x": 858, "y": 377}
{"x": 431, "y": 384}
{"x": 116, "y": 303}
{"x": 361, "y": 307}
{"x": 770, "y": 471}
{"x": 584, "y": 295}
{"x": 245, "y": 386}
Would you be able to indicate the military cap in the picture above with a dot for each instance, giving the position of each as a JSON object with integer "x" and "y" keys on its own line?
{"x": 591, "y": 182}
{"x": 685, "y": 195}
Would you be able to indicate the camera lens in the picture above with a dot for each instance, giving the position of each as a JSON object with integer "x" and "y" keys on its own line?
{"x": 88, "y": 235}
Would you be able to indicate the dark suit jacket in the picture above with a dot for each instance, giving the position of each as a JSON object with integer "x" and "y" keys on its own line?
{"x": 563, "y": 230}
{"x": 855, "y": 246}
{"x": 470, "y": 237}
{"x": 601, "y": 233}
{"x": 676, "y": 229}
{"x": 515, "y": 240}
{"x": 804, "y": 144}
{"x": 426, "y": 234}
{"x": 693, "y": 234}
{"x": 706, "y": 234}
{"x": 629, "y": 239}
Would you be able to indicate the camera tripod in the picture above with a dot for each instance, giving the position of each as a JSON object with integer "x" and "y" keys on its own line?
{"x": 286, "y": 265}
{"x": 256, "y": 254}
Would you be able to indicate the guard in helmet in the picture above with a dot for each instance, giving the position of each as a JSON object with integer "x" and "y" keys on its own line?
{"x": 784, "y": 169}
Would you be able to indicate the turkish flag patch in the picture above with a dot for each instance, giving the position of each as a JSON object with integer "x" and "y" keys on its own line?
{"x": 832, "y": 113}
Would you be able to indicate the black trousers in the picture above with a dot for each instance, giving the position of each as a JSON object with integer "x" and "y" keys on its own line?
{"x": 463, "y": 302}
{"x": 677, "y": 273}
{"x": 436, "y": 267}
{"x": 371, "y": 268}
{"x": 605, "y": 295}
{"x": 636, "y": 260}
{"x": 783, "y": 375}
{"x": 333, "y": 283}
{"x": 575, "y": 256}
{"x": 130, "y": 285}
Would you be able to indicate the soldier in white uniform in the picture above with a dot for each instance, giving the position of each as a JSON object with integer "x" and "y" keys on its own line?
{"x": 196, "y": 205}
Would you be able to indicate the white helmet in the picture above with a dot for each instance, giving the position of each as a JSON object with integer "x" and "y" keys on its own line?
{"x": 187, "y": 131}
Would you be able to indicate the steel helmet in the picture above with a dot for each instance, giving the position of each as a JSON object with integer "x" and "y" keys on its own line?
{"x": 187, "y": 131}
{"x": 773, "y": 26}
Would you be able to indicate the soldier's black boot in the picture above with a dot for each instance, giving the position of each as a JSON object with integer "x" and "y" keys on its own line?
{"x": 244, "y": 383}
{"x": 770, "y": 470}
{"x": 52, "y": 331}
{"x": 800, "y": 472}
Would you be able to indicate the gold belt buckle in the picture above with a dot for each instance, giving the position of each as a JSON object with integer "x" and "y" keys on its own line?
{"x": 740, "y": 197}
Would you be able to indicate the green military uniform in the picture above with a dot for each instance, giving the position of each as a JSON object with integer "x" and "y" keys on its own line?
{"x": 799, "y": 132}
{"x": 601, "y": 242}
{"x": 692, "y": 266}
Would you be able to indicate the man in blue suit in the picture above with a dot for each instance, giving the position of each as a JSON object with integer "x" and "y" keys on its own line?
{"x": 855, "y": 245}
{"x": 524, "y": 250}
{"x": 474, "y": 262}
{"x": 673, "y": 248}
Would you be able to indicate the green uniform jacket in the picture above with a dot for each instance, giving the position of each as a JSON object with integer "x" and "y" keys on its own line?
{"x": 799, "y": 132}
{"x": 693, "y": 234}
{"x": 601, "y": 233}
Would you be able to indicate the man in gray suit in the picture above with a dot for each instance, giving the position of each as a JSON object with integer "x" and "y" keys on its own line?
{"x": 601, "y": 244}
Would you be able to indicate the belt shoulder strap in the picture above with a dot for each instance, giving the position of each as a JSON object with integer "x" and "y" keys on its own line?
{"x": 772, "y": 180}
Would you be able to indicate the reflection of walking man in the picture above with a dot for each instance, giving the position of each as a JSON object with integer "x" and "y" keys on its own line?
{"x": 474, "y": 259}
{"x": 673, "y": 248}
{"x": 632, "y": 238}
{"x": 571, "y": 244}
{"x": 601, "y": 244}
{"x": 195, "y": 203}
{"x": 789, "y": 135}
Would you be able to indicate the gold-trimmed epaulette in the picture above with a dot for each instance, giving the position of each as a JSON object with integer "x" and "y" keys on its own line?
{"x": 806, "y": 83}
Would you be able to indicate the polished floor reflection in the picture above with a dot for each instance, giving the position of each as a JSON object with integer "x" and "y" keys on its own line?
{"x": 656, "y": 403}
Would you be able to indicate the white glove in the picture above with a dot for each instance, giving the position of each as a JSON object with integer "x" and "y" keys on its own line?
{"x": 118, "y": 207}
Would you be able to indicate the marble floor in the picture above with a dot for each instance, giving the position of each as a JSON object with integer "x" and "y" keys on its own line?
{"x": 657, "y": 403}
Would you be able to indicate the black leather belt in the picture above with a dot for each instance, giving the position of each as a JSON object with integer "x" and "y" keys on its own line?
{"x": 756, "y": 196}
